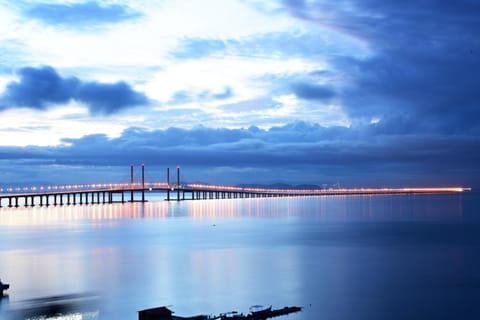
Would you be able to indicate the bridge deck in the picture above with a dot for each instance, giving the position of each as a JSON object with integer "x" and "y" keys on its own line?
{"x": 105, "y": 193}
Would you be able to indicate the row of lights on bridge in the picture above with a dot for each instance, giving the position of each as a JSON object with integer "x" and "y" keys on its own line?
{"x": 80, "y": 186}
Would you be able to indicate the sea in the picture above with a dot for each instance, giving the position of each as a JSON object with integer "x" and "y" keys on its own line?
{"x": 337, "y": 257}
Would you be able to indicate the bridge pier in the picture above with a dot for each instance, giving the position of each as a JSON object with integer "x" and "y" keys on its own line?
{"x": 143, "y": 182}
{"x": 168, "y": 184}
{"x": 131, "y": 182}
{"x": 178, "y": 183}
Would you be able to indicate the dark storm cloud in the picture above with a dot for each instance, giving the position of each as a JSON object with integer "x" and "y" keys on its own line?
{"x": 311, "y": 91}
{"x": 79, "y": 15}
{"x": 423, "y": 73}
{"x": 109, "y": 98}
{"x": 38, "y": 88}
{"x": 283, "y": 153}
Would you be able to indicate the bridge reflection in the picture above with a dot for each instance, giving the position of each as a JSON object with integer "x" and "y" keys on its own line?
{"x": 329, "y": 208}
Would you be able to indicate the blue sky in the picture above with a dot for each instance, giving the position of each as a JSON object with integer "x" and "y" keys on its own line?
{"x": 361, "y": 93}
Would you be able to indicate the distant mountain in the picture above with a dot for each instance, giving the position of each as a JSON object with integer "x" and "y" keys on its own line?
{"x": 307, "y": 186}
{"x": 280, "y": 186}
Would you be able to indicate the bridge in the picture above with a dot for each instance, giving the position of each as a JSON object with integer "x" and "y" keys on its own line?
{"x": 136, "y": 192}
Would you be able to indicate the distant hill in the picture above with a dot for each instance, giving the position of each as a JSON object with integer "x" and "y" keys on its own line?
{"x": 281, "y": 186}
{"x": 269, "y": 186}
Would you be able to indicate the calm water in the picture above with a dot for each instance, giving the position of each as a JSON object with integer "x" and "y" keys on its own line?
{"x": 357, "y": 257}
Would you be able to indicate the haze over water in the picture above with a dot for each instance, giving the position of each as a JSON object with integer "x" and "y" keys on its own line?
{"x": 339, "y": 257}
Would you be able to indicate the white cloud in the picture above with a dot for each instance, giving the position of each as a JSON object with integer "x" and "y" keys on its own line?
{"x": 24, "y": 127}
{"x": 214, "y": 74}
{"x": 140, "y": 51}
{"x": 212, "y": 18}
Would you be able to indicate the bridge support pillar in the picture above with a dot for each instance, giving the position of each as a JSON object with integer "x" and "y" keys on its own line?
{"x": 168, "y": 184}
{"x": 143, "y": 182}
{"x": 178, "y": 183}
{"x": 131, "y": 182}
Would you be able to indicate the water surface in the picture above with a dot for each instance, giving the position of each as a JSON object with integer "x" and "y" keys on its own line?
{"x": 339, "y": 257}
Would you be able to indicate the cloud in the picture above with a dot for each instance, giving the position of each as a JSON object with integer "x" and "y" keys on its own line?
{"x": 311, "y": 91}
{"x": 38, "y": 88}
{"x": 10, "y": 55}
{"x": 184, "y": 96}
{"x": 418, "y": 77}
{"x": 421, "y": 95}
{"x": 299, "y": 152}
{"x": 194, "y": 48}
{"x": 109, "y": 98}
{"x": 316, "y": 43}
{"x": 80, "y": 15}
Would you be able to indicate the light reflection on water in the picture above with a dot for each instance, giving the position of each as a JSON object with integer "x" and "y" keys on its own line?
{"x": 361, "y": 257}
{"x": 397, "y": 207}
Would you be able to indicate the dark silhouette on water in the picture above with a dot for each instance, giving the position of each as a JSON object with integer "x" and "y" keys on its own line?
{"x": 163, "y": 313}
{"x": 3, "y": 287}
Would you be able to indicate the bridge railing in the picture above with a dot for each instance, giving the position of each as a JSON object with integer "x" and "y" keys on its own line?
{"x": 124, "y": 186}
{"x": 83, "y": 187}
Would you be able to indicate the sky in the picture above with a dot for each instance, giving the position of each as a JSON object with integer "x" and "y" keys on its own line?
{"x": 353, "y": 93}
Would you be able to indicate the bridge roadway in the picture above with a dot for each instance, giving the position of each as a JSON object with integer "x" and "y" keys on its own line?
{"x": 127, "y": 192}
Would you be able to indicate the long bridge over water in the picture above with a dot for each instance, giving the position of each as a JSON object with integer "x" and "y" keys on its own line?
{"x": 137, "y": 191}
